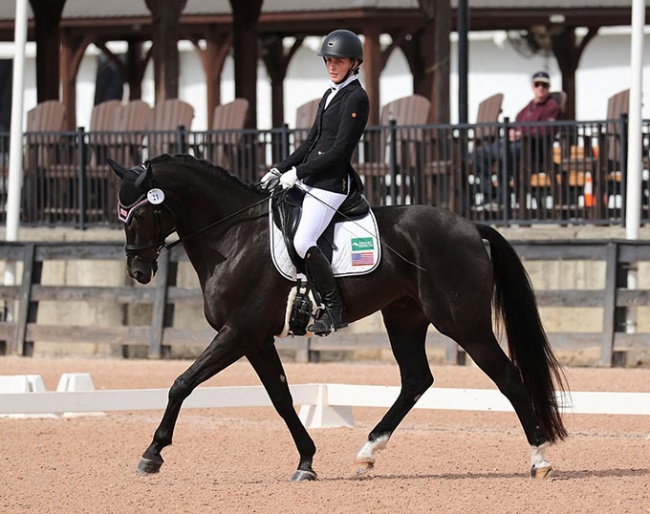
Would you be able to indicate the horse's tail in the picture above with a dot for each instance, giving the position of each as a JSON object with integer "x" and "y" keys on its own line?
{"x": 516, "y": 309}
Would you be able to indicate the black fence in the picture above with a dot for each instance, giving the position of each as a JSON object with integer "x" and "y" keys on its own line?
{"x": 561, "y": 172}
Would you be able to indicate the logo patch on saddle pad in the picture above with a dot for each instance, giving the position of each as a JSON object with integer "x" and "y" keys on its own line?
{"x": 356, "y": 248}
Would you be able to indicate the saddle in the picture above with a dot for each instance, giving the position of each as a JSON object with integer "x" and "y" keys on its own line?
{"x": 287, "y": 211}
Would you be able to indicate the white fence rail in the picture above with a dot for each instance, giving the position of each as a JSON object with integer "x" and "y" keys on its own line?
{"x": 322, "y": 405}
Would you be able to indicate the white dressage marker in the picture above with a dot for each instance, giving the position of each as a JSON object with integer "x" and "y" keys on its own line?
{"x": 76, "y": 382}
{"x": 323, "y": 414}
{"x": 22, "y": 384}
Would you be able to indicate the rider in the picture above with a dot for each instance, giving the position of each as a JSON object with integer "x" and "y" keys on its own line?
{"x": 321, "y": 166}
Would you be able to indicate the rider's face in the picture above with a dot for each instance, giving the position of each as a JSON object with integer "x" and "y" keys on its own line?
{"x": 338, "y": 67}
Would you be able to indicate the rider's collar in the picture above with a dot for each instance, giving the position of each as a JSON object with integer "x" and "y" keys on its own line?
{"x": 338, "y": 87}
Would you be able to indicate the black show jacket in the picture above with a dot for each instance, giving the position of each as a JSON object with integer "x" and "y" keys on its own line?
{"x": 323, "y": 159}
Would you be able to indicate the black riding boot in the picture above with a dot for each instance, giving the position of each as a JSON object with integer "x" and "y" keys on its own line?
{"x": 320, "y": 276}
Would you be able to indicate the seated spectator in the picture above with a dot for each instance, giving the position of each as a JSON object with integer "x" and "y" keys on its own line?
{"x": 541, "y": 108}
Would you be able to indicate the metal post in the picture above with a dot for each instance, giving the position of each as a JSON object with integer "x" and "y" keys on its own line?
{"x": 16, "y": 137}
{"x": 463, "y": 67}
{"x": 392, "y": 124}
{"x": 82, "y": 189}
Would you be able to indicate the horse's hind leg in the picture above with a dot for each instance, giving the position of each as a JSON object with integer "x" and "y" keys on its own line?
{"x": 219, "y": 354}
{"x": 268, "y": 366}
{"x": 491, "y": 359}
{"x": 407, "y": 327}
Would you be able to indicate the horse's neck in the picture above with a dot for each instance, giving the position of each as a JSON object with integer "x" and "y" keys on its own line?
{"x": 208, "y": 215}
{"x": 206, "y": 199}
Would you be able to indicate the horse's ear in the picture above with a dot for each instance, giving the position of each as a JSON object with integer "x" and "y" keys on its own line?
{"x": 119, "y": 170}
{"x": 144, "y": 177}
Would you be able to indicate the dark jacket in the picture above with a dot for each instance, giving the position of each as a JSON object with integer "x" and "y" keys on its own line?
{"x": 323, "y": 159}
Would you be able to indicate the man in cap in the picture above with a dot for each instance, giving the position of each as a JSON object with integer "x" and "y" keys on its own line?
{"x": 541, "y": 108}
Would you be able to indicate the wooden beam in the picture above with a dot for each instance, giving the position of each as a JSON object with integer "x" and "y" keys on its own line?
{"x": 568, "y": 53}
{"x": 372, "y": 66}
{"x": 72, "y": 52}
{"x": 213, "y": 58}
{"x": 246, "y": 15}
{"x": 277, "y": 61}
{"x": 164, "y": 23}
{"x": 47, "y": 16}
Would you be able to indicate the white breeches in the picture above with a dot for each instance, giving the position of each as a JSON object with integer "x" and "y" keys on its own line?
{"x": 318, "y": 209}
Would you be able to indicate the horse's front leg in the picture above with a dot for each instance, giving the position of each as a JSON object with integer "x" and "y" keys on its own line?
{"x": 268, "y": 366}
{"x": 407, "y": 328}
{"x": 219, "y": 354}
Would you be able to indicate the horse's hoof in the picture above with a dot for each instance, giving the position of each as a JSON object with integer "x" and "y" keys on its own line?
{"x": 303, "y": 476}
{"x": 363, "y": 468}
{"x": 541, "y": 473}
{"x": 149, "y": 466}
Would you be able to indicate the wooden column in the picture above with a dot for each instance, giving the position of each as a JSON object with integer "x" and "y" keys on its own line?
{"x": 131, "y": 71}
{"x": 568, "y": 54}
{"x": 72, "y": 52}
{"x": 246, "y": 14}
{"x": 372, "y": 66}
{"x": 213, "y": 57}
{"x": 47, "y": 16}
{"x": 277, "y": 61}
{"x": 134, "y": 68}
{"x": 164, "y": 27}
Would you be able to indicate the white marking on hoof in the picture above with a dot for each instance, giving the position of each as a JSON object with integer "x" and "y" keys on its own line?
{"x": 367, "y": 452}
{"x": 539, "y": 466}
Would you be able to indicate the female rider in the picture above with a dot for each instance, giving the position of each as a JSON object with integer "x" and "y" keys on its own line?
{"x": 321, "y": 166}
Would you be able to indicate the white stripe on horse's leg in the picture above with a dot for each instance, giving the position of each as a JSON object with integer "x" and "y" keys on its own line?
{"x": 365, "y": 459}
{"x": 540, "y": 467}
{"x": 287, "y": 315}
{"x": 367, "y": 451}
{"x": 537, "y": 459}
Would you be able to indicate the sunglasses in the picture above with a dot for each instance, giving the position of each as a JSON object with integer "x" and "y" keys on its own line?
{"x": 541, "y": 84}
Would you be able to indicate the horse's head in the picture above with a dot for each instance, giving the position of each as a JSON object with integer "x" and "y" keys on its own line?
{"x": 147, "y": 221}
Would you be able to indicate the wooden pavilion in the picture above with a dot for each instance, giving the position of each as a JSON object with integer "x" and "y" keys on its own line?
{"x": 63, "y": 29}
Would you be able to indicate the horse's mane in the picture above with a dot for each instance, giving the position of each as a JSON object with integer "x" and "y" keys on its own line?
{"x": 204, "y": 167}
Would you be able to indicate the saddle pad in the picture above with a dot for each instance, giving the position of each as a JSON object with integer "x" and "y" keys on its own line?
{"x": 356, "y": 248}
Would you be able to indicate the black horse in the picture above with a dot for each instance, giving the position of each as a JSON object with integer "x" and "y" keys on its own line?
{"x": 435, "y": 270}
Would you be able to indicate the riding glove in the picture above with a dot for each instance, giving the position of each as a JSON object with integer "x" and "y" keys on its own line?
{"x": 270, "y": 180}
{"x": 289, "y": 178}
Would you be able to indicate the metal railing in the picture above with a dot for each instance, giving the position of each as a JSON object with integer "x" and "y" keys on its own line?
{"x": 575, "y": 173}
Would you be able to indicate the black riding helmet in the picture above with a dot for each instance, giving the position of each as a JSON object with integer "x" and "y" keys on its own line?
{"x": 342, "y": 43}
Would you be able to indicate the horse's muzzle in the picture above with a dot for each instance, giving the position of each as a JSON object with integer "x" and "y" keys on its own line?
{"x": 141, "y": 270}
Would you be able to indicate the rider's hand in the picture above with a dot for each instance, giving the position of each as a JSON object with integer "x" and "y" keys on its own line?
{"x": 270, "y": 180}
{"x": 289, "y": 178}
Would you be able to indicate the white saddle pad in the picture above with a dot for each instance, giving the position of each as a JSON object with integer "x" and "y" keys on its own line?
{"x": 356, "y": 248}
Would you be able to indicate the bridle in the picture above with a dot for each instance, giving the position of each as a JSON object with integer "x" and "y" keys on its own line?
{"x": 126, "y": 213}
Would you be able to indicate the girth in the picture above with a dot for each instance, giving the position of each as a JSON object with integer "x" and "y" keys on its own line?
{"x": 287, "y": 211}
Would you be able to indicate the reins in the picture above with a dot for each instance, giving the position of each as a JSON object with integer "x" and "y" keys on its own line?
{"x": 275, "y": 192}
{"x": 214, "y": 224}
